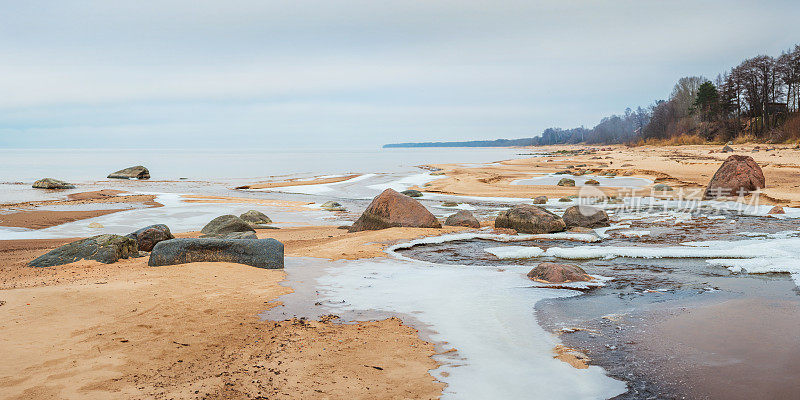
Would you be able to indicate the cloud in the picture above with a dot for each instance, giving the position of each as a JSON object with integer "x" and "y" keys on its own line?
{"x": 364, "y": 72}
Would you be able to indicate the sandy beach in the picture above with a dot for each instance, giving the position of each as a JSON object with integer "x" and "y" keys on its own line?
{"x": 127, "y": 330}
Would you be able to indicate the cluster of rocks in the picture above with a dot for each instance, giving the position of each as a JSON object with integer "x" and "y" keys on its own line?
{"x": 227, "y": 238}
{"x": 137, "y": 172}
{"x": 534, "y": 219}
{"x": 233, "y": 227}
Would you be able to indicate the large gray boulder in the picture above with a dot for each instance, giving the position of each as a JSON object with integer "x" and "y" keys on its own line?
{"x": 106, "y": 249}
{"x": 260, "y": 253}
{"x": 137, "y": 172}
{"x": 527, "y": 218}
{"x": 226, "y": 224}
{"x": 390, "y": 209}
{"x": 50, "y": 183}
{"x": 585, "y": 216}
{"x": 256, "y": 219}
{"x": 148, "y": 236}
{"x": 463, "y": 218}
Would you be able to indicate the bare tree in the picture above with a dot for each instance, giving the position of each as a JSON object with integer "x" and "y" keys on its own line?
{"x": 684, "y": 93}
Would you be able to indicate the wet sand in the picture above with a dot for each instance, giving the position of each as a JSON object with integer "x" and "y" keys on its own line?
{"x": 297, "y": 182}
{"x": 739, "y": 349}
{"x": 682, "y": 167}
{"x": 127, "y": 330}
{"x": 25, "y": 215}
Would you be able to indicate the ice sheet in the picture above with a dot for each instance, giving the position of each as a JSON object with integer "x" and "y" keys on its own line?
{"x": 486, "y": 314}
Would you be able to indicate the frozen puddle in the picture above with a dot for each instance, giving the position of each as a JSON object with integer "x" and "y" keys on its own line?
{"x": 485, "y": 313}
{"x": 552, "y": 179}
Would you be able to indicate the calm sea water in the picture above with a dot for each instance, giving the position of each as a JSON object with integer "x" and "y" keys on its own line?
{"x": 81, "y": 165}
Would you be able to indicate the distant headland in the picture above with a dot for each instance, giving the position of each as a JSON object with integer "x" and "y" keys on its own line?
{"x": 471, "y": 143}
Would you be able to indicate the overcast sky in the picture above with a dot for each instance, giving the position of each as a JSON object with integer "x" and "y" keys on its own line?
{"x": 262, "y": 73}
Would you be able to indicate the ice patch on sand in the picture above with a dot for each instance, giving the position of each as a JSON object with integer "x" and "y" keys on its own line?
{"x": 321, "y": 188}
{"x": 512, "y": 252}
{"x": 405, "y": 182}
{"x": 580, "y": 180}
{"x": 487, "y": 317}
{"x": 452, "y": 237}
{"x": 179, "y": 215}
{"x": 634, "y": 233}
{"x": 760, "y": 255}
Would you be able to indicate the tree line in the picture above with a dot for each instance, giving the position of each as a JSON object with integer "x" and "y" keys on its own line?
{"x": 759, "y": 100}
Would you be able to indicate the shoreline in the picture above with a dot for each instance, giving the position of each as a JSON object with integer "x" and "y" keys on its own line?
{"x": 165, "y": 299}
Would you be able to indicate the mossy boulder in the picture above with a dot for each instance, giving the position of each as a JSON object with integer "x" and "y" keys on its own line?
{"x": 106, "y": 249}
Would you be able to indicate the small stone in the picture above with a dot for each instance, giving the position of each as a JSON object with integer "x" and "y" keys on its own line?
{"x": 412, "y": 193}
{"x": 463, "y": 218}
{"x": 776, "y": 210}
{"x": 566, "y": 182}
{"x": 558, "y": 273}
{"x": 332, "y": 206}
{"x": 540, "y": 200}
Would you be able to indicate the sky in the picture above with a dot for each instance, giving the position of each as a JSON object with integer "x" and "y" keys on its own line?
{"x": 300, "y": 73}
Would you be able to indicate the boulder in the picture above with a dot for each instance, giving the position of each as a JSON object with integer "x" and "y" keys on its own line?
{"x": 529, "y": 219}
{"x": 412, "y": 193}
{"x": 232, "y": 235}
{"x": 148, "y": 236}
{"x": 661, "y": 187}
{"x": 776, "y": 210}
{"x": 226, "y": 224}
{"x": 391, "y": 209}
{"x": 585, "y": 216}
{"x": 106, "y": 249}
{"x": 332, "y": 206}
{"x": 727, "y": 149}
{"x": 565, "y": 200}
{"x": 256, "y": 219}
{"x": 463, "y": 218}
{"x": 449, "y": 204}
{"x": 592, "y": 182}
{"x": 566, "y": 182}
{"x": 540, "y": 200}
{"x": 738, "y": 174}
{"x": 50, "y": 183}
{"x": 558, "y": 273}
{"x": 137, "y": 172}
{"x": 260, "y": 253}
